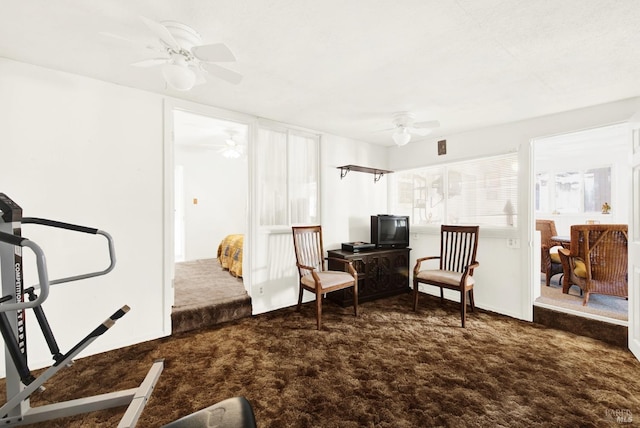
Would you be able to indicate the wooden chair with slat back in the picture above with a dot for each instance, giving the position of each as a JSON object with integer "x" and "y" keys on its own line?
{"x": 550, "y": 263}
{"x": 457, "y": 261}
{"x": 307, "y": 242}
{"x": 597, "y": 260}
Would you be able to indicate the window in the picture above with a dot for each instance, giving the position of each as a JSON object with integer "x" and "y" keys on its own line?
{"x": 287, "y": 171}
{"x": 577, "y": 191}
{"x": 567, "y": 191}
{"x": 577, "y": 172}
{"x": 597, "y": 188}
{"x": 481, "y": 191}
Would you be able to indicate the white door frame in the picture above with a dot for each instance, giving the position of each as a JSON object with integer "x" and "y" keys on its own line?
{"x": 634, "y": 238}
{"x": 171, "y": 104}
{"x": 179, "y": 203}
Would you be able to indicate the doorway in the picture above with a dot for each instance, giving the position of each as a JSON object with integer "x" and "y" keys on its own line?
{"x": 575, "y": 174}
{"x": 210, "y": 172}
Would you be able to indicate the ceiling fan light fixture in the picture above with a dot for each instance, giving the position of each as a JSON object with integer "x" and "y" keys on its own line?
{"x": 401, "y": 136}
{"x": 233, "y": 149}
{"x": 178, "y": 77}
{"x": 231, "y": 153}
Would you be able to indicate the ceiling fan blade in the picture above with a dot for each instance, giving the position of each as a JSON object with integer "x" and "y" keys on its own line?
{"x": 222, "y": 73}
{"x": 116, "y": 36}
{"x": 423, "y": 132}
{"x": 161, "y": 32}
{"x": 386, "y": 129}
{"x": 426, "y": 124}
{"x": 131, "y": 42}
{"x": 215, "y": 52}
{"x": 151, "y": 62}
{"x": 202, "y": 146}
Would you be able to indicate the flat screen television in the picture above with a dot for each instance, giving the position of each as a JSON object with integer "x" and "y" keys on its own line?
{"x": 390, "y": 231}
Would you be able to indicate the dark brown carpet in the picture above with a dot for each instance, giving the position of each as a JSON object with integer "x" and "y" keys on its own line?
{"x": 389, "y": 367}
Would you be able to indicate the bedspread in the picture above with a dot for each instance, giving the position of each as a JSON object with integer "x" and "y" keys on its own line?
{"x": 230, "y": 254}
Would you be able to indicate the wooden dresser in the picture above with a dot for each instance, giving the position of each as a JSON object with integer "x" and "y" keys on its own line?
{"x": 381, "y": 273}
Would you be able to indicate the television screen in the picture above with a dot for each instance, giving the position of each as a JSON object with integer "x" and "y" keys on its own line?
{"x": 390, "y": 231}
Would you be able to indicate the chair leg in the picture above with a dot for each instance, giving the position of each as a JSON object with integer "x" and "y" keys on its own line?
{"x": 548, "y": 277}
{"x": 586, "y": 298}
{"x": 415, "y": 295}
{"x": 355, "y": 300}
{"x": 471, "y": 301}
{"x": 441, "y": 295}
{"x": 319, "y": 310}
{"x": 300, "y": 299}
{"x": 463, "y": 307}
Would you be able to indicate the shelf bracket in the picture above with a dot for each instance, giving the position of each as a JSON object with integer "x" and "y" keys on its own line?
{"x": 377, "y": 173}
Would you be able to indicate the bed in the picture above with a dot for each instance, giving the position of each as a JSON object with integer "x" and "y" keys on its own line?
{"x": 230, "y": 254}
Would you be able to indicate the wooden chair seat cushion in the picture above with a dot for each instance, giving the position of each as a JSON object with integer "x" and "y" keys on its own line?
{"x": 328, "y": 279}
{"x": 444, "y": 277}
{"x": 555, "y": 257}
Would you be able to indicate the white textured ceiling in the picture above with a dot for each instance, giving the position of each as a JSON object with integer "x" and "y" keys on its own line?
{"x": 345, "y": 67}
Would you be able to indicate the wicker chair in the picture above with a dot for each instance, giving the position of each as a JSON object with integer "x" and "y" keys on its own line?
{"x": 597, "y": 260}
{"x": 550, "y": 263}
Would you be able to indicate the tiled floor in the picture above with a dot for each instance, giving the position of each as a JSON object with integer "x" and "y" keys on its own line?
{"x": 601, "y": 305}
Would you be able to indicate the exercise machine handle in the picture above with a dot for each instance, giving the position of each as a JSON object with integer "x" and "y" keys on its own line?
{"x": 41, "y": 264}
{"x": 60, "y": 225}
{"x": 76, "y": 228}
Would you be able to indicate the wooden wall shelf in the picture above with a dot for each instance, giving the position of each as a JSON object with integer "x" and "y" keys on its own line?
{"x": 377, "y": 173}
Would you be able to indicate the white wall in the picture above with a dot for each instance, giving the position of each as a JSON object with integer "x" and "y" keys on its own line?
{"x": 87, "y": 152}
{"x": 504, "y": 276}
{"x": 220, "y": 186}
{"x": 348, "y": 203}
{"x": 345, "y": 209}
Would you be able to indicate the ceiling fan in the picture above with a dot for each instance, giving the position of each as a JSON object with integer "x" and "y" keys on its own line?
{"x": 405, "y": 125}
{"x": 230, "y": 148}
{"x": 183, "y": 59}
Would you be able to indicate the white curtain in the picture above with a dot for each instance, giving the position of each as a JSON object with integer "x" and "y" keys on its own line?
{"x": 288, "y": 176}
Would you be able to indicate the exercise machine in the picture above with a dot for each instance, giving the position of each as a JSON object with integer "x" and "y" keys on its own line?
{"x": 16, "y": 299}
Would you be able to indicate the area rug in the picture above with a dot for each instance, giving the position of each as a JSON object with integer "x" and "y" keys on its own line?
{"x": 388, "y": 367}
